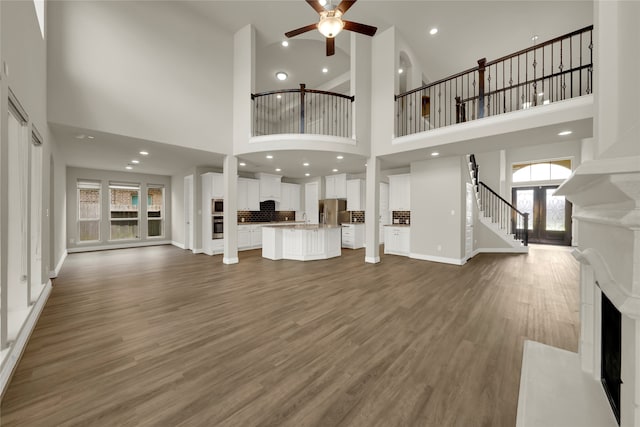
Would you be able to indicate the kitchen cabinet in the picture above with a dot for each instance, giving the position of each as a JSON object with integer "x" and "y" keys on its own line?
{"x": 397, "y": 240}
{"x": 249, "y": 236}
{"x": 353, "y": 236}
{"x": 212, "y": 185}
{"x": 290, "y": 200}
{"x": 301, "y": 244}
{"x": 356, "y": 192}
{"x": 270, "y": 186}
{"x": 400, "y": 192}
{"x": 248, "y": 194}
{"x": 335, "y": 186}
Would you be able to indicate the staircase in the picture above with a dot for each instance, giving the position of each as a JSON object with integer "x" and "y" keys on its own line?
{"x": 497, "y": 214}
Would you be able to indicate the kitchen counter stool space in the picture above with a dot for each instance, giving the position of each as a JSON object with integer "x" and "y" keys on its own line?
{"x": 301, "y": 242}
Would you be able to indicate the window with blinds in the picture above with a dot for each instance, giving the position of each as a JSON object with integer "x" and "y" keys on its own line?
{"x": 88, "y": 211}
{"x": 124, "y": 208}
{"x": 155, "y": 210}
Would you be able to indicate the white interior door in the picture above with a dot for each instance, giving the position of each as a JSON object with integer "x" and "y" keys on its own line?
{"x": 188, "y": 212}
{"x": 311, "y": 202}
{"x": 469, "y": 222}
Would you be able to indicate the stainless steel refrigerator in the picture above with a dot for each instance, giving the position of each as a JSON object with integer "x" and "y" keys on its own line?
{"x": 333, "y": 212}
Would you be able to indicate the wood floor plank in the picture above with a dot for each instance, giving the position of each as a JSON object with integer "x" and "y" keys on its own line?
{"x": 159, "y": 336}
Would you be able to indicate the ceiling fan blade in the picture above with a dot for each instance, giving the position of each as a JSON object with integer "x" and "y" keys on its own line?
{"x": 316, "y": 5}
{"x": 367, "y": 30}
{"x": 301, "y": 30}
{"x": 345, "y": 5}
{"x": 331, "y": 46}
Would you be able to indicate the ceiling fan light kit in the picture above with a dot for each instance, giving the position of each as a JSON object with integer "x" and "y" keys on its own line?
{"x": 331, "y": 23}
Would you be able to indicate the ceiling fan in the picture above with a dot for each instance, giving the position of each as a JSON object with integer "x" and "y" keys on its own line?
{"x": 331, "y": 23}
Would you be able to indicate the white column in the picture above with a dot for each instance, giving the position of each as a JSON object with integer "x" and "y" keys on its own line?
{"x": 230, "y": 224}
{"x": 372, "y": 213}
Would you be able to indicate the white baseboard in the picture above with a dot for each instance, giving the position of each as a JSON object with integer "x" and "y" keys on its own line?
{"x": 444, "y": 260}
{"x": 17, "y": 347}
{"x": 54, "y": 273}
{"x": 177, "y": 244}
{"x": 197, "y": 251}
{"x": 230, "y": 260}
{"x": 372, "y": 259}
{"x": 118, "y": 246}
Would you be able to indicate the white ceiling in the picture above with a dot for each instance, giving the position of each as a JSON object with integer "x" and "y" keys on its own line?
{"x": 291, "y": 163}
{"x": 468, "y": 30}
{"x": 114, "y": 152}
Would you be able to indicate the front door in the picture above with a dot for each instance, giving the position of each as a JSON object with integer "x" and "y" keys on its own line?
{"x": 549, "y": 215}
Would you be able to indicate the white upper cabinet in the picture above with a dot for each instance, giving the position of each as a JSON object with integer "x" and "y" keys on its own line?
{"x": 335, "y": 186}
{"x": 290, "y": 200}
{"x": 213, "y": 184}
{"x": 248, "y": 194}
{"x": 270, "y": 186}
{"x": 356, "y": 195}
{"x": 400, "y": 192}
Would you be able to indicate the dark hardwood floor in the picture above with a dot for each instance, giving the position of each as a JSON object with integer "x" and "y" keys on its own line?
{"x": 159, "y": 336}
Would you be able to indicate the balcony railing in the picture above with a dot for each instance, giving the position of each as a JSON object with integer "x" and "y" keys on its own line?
{"x": 558, "y": 69}
{"x": 302, "y": 111}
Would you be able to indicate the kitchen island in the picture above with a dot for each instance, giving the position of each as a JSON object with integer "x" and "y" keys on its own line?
{"x": 301, "y": 242}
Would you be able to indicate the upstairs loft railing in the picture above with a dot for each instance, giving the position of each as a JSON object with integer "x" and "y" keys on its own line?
{"x": 504, "y": 214}
{"x": 302, "y": 111}
{"x": 558, "y": 69}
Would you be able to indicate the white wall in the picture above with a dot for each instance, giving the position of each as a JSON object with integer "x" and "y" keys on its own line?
{"x": 104, "y": 176}
{"x": 150, "y": 70}
{"x": 437, "y": 208}
{"x": 616, "y": 91}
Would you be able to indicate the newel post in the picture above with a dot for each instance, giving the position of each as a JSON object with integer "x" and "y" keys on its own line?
{"x": 481, "y": 68}
{"x": 302, "y": 86}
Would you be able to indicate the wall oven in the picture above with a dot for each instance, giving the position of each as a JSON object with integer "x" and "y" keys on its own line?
{"x": 217, "y": 206}
{"x": 217, "y": 227}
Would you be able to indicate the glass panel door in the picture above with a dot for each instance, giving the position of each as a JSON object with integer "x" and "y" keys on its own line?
{"x": 549, "y": 215}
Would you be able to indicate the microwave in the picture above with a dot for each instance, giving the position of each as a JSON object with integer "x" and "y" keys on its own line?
{"x": 217, "y": 206}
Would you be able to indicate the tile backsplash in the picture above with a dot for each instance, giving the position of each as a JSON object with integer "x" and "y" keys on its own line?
{"x": 357, "y": 216}
{"x": 403, "y": 217}
{"x": 265, "y": 216}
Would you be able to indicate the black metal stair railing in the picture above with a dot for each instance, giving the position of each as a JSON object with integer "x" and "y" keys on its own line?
{"x": 555, "y": 70}
{"x": 302, "y": 111}
{"x": 504, "y": 214}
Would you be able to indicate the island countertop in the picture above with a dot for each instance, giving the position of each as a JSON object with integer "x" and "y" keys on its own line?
{"x": 302, "y": 226}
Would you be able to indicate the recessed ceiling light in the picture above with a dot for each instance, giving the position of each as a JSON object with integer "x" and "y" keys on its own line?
{"x": 325, "y": 70}
{"x": 243, "y": 164}
{"x": 135, "y": 162}
{"x": 81, "y": 136}
{"x": 435, "y": 153}
{"x": 281, "y": 75}
{"x": 339, "y": 157}
{"x": 278, "y": 170}
{"x": 334, "y": 170}
{"x": 285, "y": 43}
{"x": 305, "y": 164}
{"x": 565, "y": 132}
{"x": 400, "y": 71}
{"x": 269, "y": 156}
{"x": 534, "y": 38}
{"x": 433, "y": 31}
{"x": 91, "y": 137}
{"x": 128, "y": 167}
{"x": 144, "y": 153}
{"x": 307, "y": 174}
{"x": 322, "y": 2}
{"x": 279, "y": 96}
